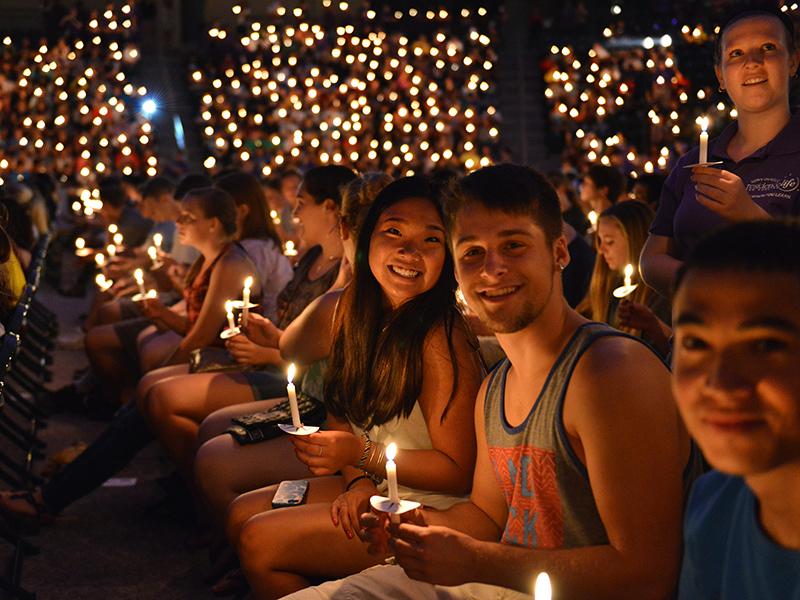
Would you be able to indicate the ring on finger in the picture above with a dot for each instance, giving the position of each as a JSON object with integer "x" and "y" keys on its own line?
{"x": 320, "y": 450}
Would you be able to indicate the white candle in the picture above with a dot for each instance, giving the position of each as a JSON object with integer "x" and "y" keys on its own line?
{"x": 704, "y": 140}
{"x": 290, "y": 391}
{"x": 391, "y": 473}
{"x": 153, "y": 254}
{"x": 118, "y": 239}
{"x": 542, "y": 589}
{"x": 138, "y": 275}
{"x": 112, "y": 250}
{"x": 229, "y": 312}
{"x": 80, "y": 243}
{"x": 157, "y": 239}
{"x": 628, "y": 275}
{"x": 248, "y": 283}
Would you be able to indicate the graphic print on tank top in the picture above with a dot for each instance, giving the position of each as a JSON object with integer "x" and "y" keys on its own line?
{"x": 527, "y": 476}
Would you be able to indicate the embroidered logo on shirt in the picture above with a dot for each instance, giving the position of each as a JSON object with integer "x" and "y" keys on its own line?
{"x": 527, "y": 476}
{"x": 773, "y": 186}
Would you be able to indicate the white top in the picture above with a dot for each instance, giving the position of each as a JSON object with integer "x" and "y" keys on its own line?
{"x": 411, "y": 434}
{"x": 273, "y": 270}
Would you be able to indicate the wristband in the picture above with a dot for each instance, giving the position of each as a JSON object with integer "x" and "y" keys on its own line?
{"x": 355, "y": 480}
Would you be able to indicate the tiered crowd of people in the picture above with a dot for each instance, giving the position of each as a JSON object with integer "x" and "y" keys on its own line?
{"x": 69, "y": 107}
{"x": 479, "y": 398}
{"x": 402, "y": 92}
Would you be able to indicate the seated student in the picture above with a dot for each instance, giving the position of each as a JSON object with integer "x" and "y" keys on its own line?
{"x": 403, "y": 367}
{"x": 176, "y": 406}
{"x": 621, "y": 232}
{"x": 737, "y": 383}
{"x": 225, "y": 469}
{"x": 582, "y": 460}
{"x": 208, "y": 222}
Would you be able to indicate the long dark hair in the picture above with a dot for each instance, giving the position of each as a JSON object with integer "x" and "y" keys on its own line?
{"x": 374, "y": 371}
{"x": 246, "y": 189}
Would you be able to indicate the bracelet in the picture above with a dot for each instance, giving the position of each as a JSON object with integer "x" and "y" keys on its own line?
{"x": 355, "y": 480}
{"x": 366, "y": 452}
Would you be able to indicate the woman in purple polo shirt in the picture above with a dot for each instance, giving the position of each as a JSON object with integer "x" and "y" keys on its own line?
{"x": 755, "y": 59}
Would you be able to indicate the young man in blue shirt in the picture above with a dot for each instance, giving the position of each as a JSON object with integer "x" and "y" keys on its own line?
{"x": 737, "y": 383}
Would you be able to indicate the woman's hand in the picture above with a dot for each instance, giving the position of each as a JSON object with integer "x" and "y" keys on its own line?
{"x": 327, "y": 452}
{"x": 262, "y": 331}
{"x": 724, "y": 193}
{"x": 636, "y": 316}
{"x": 246, "y": 352}
{"x": 347, "y": 508}
{"x": 152, "y": 308}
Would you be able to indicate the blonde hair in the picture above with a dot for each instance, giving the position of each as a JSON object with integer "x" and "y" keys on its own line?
{"x": 633, "y": 218}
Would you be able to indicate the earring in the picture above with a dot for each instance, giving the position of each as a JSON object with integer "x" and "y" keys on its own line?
{"x": 721, "y": 89}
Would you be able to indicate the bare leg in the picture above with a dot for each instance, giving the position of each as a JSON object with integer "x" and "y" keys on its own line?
{"x": 224, "y": 469}
{"x": 155, "y": 347}
{"x": 175, "y": 408}
{"x": 109, "y": 361}
{"x": 274, "y": 562}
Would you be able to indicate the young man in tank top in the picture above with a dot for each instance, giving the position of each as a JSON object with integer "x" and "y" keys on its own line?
{"x": 581, "y": 453}
{"x": 737, "y": 383}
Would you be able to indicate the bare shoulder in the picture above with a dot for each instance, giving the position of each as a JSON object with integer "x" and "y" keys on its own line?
{"x": 621, "y": 368}
{"x": 437, "y": 343}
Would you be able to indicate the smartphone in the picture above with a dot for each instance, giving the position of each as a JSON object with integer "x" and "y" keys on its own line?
{"x": 290, "y": 493}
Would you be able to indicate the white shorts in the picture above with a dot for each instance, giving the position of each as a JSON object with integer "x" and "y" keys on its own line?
{"x": 390, "y": 582}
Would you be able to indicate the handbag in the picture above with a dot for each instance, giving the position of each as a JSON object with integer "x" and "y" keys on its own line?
{"x": 213, "y": 359}
{"x": 263, "y": 425}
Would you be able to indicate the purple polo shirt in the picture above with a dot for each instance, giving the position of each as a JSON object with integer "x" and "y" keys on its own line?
{"x": 771, "y": 175}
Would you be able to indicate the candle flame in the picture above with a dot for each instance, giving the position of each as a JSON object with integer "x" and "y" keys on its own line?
{"x": 152, "y": 252}
{"x": 111, "y": 249}
{"x": 592, "y": 216}
{"x": 138, "y": 275}
{"x": 80, "y": 243}
{"x": 704, "y": 123}
{"x": 118, "y": 239}
{"x": 100, "y": 259}
{"x": 248, "y": 282}
{"x": 628, "y": 270}
{"x": 542, "y": 589}
{"x": 100, "y": 279}
{"x": 391, "y": 451}
{"x": 157, "y": 239}
{"x": 290, "y": 374}
{"x": 228, "y": 306}
{"x": 112, "y": 229}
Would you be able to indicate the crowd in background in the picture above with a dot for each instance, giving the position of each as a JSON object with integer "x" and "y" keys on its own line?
{"x": 399, "y": 91}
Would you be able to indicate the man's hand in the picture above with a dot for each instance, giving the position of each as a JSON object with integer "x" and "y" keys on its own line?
{"x": 262, "y": 331}
{"x": 435, "y": 554}
{"x": 724, "y": 193}
{"x": 245, "y": 351}
{"x": 327, "y": 452}
{"x": 636, "y": 316}
{"x": 152, "y": 308}
{"x": 346, "y": 509}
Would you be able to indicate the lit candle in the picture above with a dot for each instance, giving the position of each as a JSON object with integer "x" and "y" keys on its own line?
{"x": 628, "y": 274}
{"x": 112, "y": 229}
{"x": 153, "y": 254}
{"x": 111, "y": 249}
{"x": 100, "y": 260}
{"x": 118, "y": 239}
{"x": 80, "y": 243}
{"x": 628, "y": 286}
{"x": 248, "y": 283}
{"x": 290, "y": 391}
{"x": 542, "y": 589}
{"x": 157, "y": 240}
{"x": 138, "y": 275}
{"x": 592, "y": 216}
{"x": 290, "y": 249}
{"x": 391, "y": 473}
{"x": 229, "y": 312}
{"x": 704, "y": 140}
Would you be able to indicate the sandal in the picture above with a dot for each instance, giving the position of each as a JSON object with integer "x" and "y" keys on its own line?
{"x": 23, "y": 508}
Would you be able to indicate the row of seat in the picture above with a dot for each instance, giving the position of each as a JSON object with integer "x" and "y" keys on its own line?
{"x": 25, "y": 359}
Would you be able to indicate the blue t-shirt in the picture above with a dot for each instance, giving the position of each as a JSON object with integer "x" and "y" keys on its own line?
{"x": 727, "y": 555}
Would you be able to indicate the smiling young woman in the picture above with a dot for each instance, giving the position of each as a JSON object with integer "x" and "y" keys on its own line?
{"x": 756, "y": 59}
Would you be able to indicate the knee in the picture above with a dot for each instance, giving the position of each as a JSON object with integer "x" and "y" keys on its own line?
{"x": 156, "y": 403}
{"x": 208, "y": 469}
{"x": 241, "y": 512}
{"x": 250, "y": 544}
